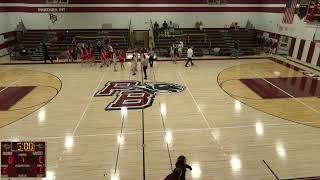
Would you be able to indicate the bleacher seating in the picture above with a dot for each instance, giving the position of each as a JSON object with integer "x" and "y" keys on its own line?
{"x": 32, "y": 39}
{"x": 210, "y": 38}
{"x": 247, "y": 41}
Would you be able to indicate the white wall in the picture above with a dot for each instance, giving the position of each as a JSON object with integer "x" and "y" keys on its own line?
{"x": 299, "y": 29}
{"x": 121, "y": 20}
{"x": 4, "y": 27}
{"x": 262, "y": 21}
{"x": 4, "y": 23}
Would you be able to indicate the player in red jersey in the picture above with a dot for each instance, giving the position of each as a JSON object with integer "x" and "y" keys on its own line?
{"x": 122, "y": 58}
{"x": 104, "y": 57}
{"x": 108, "y": 57}
{"x": 84, "y": 54}
{"x": 70, "y": 53}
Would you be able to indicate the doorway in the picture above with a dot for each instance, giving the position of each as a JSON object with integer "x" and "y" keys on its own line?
{"x": 140, "y": 39}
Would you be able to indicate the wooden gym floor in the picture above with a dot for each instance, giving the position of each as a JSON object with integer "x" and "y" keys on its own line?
{"x": 234, "y": 118}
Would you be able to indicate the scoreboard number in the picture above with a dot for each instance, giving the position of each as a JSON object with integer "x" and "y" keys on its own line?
{"x": 23, "y": 159}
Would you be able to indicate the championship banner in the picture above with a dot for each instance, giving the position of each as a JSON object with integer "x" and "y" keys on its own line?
{"x": 313, "y": 12}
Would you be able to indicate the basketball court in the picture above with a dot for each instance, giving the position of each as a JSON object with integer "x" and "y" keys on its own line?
{"x": 232, "y": 119}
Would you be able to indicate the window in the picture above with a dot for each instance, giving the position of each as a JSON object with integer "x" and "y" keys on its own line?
{"x": 57, "y": 1}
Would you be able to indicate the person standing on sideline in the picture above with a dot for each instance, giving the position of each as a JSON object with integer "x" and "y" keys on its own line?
{"x": 189, "y": 56}
{"x": 46, "y": 54}
{"x": 151, "y": 57}
{"x": 180, "y": 50}
{"x": 114, "y": 60}
{"x": 144, "y": 65}
{"x": 181, "y": 167}
{"x": 134, "y": 64}
{"x": 172, "y": 53}
{"x": 110, "y": 50}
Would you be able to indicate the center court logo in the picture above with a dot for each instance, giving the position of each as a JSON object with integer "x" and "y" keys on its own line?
{"x": 134, "y": 94}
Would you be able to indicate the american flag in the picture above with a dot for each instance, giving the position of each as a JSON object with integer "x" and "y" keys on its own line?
{"x": 289, "y": 12}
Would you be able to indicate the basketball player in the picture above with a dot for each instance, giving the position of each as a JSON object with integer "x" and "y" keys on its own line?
{"x": 180, "y": 50}
{"x": 134, "y": 64}
{"x": 189, "y": 55}
{"x": 111, "y": 50}
{"x": 114, "y": 60}
{"x": 172, "y": 53}
{"x": 122, "y": 58}
{"x": 46, "y": 54}
{"x": 151, "y": 57}
{"x": 144, "y": 65}
{"x": 103, "y": 56}
{"x": 84, "y": 54}
{"x": 181, "y": 167}
{"x": 70, "y": 53}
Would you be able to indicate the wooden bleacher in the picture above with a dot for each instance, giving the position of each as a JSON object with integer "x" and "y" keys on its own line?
{"x": 32, "y": 39}
{"x": 211, "y": 38}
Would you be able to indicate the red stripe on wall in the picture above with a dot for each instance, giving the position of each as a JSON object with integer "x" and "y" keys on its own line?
{"x": 310, "y": 53}
{"x": 293, "y": 42}
{"x": 149, "y": 1}
{"x": 2, "y": 46}
{"x": 301, "y": 48}
{"x": 8, "y": 35}
{"x": 150, "y": 9}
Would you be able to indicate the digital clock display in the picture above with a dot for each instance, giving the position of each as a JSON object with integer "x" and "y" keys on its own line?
{"x": 22, "y": 146}
{"x": 23, "y": 159}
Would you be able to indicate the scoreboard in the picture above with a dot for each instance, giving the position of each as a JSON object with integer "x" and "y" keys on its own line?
{"x": 23, "y": 159}
{"x": 313, "y": 11}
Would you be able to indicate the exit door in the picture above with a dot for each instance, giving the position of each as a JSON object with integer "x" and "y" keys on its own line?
{"x": 140, "y": 39}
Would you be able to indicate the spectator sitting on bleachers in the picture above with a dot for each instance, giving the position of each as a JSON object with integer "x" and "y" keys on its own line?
{"x": 233, "y": 26}
{"x": 198, "y": 25}
{"x": 165, "y": 28}
{"x": 237, "y": 27}
{"x": 23, "y": 51}
{"x": 156, "y": 27}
